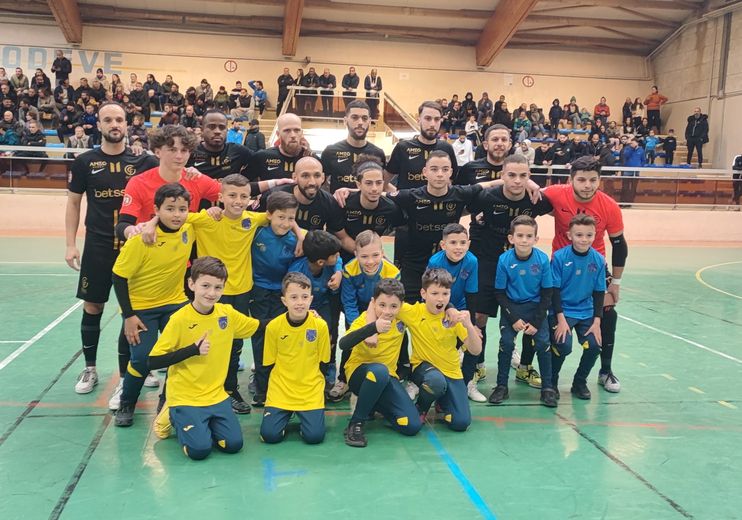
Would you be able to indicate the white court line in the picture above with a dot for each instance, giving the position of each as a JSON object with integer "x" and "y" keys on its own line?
{"x": 681, "y": 338}
{"x": 33, "y": 263}
{"x": 11, "y": 341}
{"x": 20, "y": 350}
{"x": 38, "y": 274}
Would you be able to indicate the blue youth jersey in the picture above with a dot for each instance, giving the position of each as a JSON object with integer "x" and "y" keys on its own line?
{"x": 464, "y": 273}
{"x": 577, "y": 276}
{"x": 271, "y": 257}
{"x": 320, "y": 291}
{"x": 523, "y": 279}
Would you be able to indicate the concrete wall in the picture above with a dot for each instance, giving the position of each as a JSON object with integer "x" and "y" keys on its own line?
{"x": 411, "y": 72}
{"x": 687, "y": 71}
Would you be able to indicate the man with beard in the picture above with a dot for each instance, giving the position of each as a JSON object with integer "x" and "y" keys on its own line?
{"x": 338, "y": 159}
{"x": 279, "y": 162}
{"x": 101, "y": 175}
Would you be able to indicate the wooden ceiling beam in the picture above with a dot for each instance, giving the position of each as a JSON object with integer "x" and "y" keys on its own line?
{"x": 539, "y": 20}
{"x": 291, "y": 26}
{"x": 67, "y": 15}
{"x": 500, "y": 28}
{"x": 674, "y": 5}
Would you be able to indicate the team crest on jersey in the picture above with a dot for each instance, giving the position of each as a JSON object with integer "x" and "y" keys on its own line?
{"x": 535, "y": 268}
{"x": 130, "y": 170}
{"x": 127, "y": 200}
{"x": 464, "y": 275}
{"x": 311, "y": 334}
{"x": 315, "y": 220}
{"x": 592, "y": 267}
{"x": 380, "y": 221}
{"x": 184, "y": 237}
{"x": 246, "y": 223}
{"x": 223, "y": 321}
{"x": 400, "y": 326}
{"x": 446, "y": 323}
{"x": 450, "y": 206}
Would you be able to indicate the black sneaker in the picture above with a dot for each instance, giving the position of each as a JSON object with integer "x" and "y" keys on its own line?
{"x": 580, "y": 391}
{"x": 499, "y": 395}
{"x": 354, "y": 435}
{"x": 124, "y": 415}
{"x": 239, "y": 406}
{"x": 549, "y": 397}
{"x": 556, "y": 392}
{"x": 258, "y": 401}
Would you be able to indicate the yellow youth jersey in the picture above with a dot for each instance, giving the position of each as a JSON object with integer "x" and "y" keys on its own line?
{"x": 199, "y": 380}
{"x": 386, "y": 352}
{"x": 433, "y": 339}
{"x": 230, "y": 240}
{"x": 156, "y": 272}
{"x": 296, "y": 383}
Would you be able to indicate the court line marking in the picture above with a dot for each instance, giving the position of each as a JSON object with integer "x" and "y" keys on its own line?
{"x": 681, "y": 338}
{"x": 668, "y": 377}
{"x": 677, "y": 507}
{"x": 43, "y": 332}
{"x": 696, "y": 390}
{"x": 33, "y": 263}
{"x": 13, "y": 341}
{"x": 703, "y": 282}
{"x": 38, "y": 274}
{"x": 727, "y": 405}
{"x": 465, "y": 483}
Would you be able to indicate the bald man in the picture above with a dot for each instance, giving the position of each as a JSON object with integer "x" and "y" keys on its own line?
{"x": 279, "y": 162}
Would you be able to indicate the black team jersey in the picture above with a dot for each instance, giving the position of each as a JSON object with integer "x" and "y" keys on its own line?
{"x": 322, "y": 213}
{"x": 103, "y": 178}
{"x": 233, "y": 158}
{"x": 338, "y": 160}
{"x": 475, "y": 172}
{"x": 427, "y": 215}
{"x": 408, "y": 160}
{"x": 386, "y": 216}
{"x": 271, "y": 164}
{"x": 495, "y": 212}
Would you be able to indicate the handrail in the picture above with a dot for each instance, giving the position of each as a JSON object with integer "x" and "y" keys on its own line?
{"x": 403, "y": 113}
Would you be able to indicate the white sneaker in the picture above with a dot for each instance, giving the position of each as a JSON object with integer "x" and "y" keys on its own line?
{"x": 87, "y": 381}
{"x": 151, "y": 381}
{"x": 515, "y": 360}
{"x": 474, "y": 394}
{"x": 353, "y": 401}
{"x": 610, "y": 382}
{"x": 338, "y": 391}
{"x": 412, "y": 390}
{"x": 115, "y": 401}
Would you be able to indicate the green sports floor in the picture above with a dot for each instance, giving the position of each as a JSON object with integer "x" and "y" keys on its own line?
{"x": 667, "y": 446}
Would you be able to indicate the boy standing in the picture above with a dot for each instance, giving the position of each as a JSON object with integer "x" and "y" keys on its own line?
{"x": 295, "y": 344}
{"x": 148, "y": 281}
{"x": 579, "y": 291}
{"x": 669, "y": 145}
{"x": 200, "y": 410}
{"x": 523, "y": 287}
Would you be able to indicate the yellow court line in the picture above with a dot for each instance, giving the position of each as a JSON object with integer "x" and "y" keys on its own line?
{"x": 668, "y": 377}
{"x": 696, "y": 390}
{"x": 703, "y": 282}
{"x": 728, "y": 405}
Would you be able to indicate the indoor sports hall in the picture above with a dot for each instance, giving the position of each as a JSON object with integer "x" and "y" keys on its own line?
{"x": 665, "y": 446}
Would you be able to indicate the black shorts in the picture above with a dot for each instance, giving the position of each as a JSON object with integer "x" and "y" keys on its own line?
{"x": 411, "y": 273}
{"x": 96, "y": 269}
{"x": 485, "y": 302}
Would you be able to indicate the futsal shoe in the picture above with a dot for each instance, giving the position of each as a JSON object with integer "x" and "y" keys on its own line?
{"x": 581, "y": 391}
{"x": 258, "y": 401}
{"x": 474, "y": 394}
{"x": 354, "y": 435}
{"x": 115, "y": 401}
{"x": 499, "y": 395}
{"x": 609, "y": 382}
{"x": 412, "y": 390}
{"x": 239, "y": 406}
{"x": 87, "y": 381}
{"x": 515, "y": 359}
{"x": 162, "y": 427}
{"x": 549, "y": 397}
{"x": 337, "y": 392}
{"x": 125, "y": 415}
{"x": 528, "y": 375}
{"x": 151, "y": 381}
{"x": 251, "y": 383}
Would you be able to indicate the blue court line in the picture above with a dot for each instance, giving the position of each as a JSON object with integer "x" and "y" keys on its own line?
{"x": 469, "y": 488}
{"x": 270, "y": 474}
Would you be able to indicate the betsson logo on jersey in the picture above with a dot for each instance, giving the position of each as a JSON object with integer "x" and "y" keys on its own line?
{"x": 108, "y": 194}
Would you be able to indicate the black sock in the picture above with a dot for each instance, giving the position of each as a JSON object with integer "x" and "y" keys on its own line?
{"x": 124, "y": 353}
{"x": 608, "y": 331}
{"x": 529, "y": 350}
{"x": 90, "y": 333}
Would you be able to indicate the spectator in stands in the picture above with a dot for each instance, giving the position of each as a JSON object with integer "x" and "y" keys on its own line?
{"x": 613, "y": 130}
{"x": 654, "y": 102}
{"x": 542, "y": 159}
{"x": 579, "y": 147}
{"x": 89, "y": 122}
{"x": 350, "y": 86}
{"x": 284, "y": 82}
{"x": 33, "y": 136}
{"x": 373, "y": 87}
{"x": 119, "y": 93}
{"x": 139, "y": 99}
{"x": 259, "y": 98}
{"x": 64, "y": 93}
{"x": 299, "y": 98}
{"x": 97, "y": 91}
{"x": 328, "y": 82}
{"x": 6, "y": 92}
{"x": 115, "y": 82}
{"x": 556, "y": 114}
{"x": 562, "y": 153}
{"x": 189, "y": 98}
{"x": 4, "y": 75}
{"x": 650, "y": 146}
{"x": 26, "y": 111}
{"x": 586, "y": 119}
{"x": 204, "y": 90}
{"x": 469, "y": 106}
{"x": 631, "y": 155}
{"x": 521, "y": 127}
{"x": 501, "y": 115}
{"x": 602, "y": 111}
{"x": 40, "y": 80}
{"x": 221, "y": 99}
{"x": 536, "y": 116}
{"x": 7, "y": 104}
{"x": 102, "y": 79}
{"x": 47, "y": 105}
{"x": 235, "y": 134}
{"x": 83, "y": 88}
{"x": 78, "y": 140}
{"x": 600, "y": 151}
{"x": 154, "y": 90}
{"x": 169, "y": 116}
{"x": 69, "y": 118}
{"x": 10, "y": 130}
{"x": 175, "y": 98}
{"x": 472, "y": 130}
{"x": 498, "y": 103}
{"x": 137, "y": 132}
{"x": 524, "y": 148}
{"x": 242, "y": 106}
{"x": 697, "y": 134}
{"x": 484, "y": 108}
{"x": 61, "y": 67}
{"x": 254, "y": 140}
{"x": 463, "y": 149}
{"x": 85, "y": 100}
{"x": 572, "y": 115}
{"x": 642, "y": 129}
{"x": 234, "y": 94}
{"x": 637, "y": 112}
{"x": 456, "y": 119}
{"x": 33, "y": 96}
{"x": 311, "y": 82}
{"x": 736, "y": 180}
{"x": 165, "y": 89}
{"x": 669, "y": 145}
{"x": 189, "y": 118}
{"x": 628, "y": 127}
